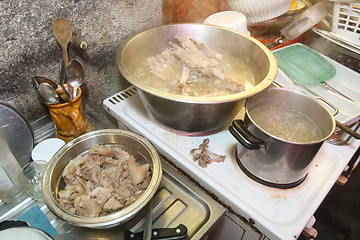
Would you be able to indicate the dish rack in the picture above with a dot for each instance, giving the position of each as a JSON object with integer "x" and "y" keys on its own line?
{"x": 346, "y": 21}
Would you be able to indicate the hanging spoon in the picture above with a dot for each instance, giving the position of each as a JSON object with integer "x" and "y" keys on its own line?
{"x": 63, "y": 34}
{"x": 74, "y": 76}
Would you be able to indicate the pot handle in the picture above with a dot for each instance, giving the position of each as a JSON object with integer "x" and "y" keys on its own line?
{"x": 336, "y": 109}
{"x": 239, "y": 130}
{"x": 347, "y": 130}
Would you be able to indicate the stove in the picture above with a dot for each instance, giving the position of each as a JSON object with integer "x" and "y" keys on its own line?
{"x": 277, "y": 213}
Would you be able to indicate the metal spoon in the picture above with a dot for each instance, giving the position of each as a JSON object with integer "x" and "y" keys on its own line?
{"x": 42, "y": 79}
{"x": 62, "y": 81}
{"x": 74, "y": 76}
{"x": 63, "y": 34}
{"x": 48, "y": 93}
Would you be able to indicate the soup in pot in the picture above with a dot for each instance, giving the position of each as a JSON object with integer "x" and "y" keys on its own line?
{"x": 286, "y": 123}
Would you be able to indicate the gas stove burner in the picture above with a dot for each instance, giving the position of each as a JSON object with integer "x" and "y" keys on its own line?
{"x": 266, "y": 183}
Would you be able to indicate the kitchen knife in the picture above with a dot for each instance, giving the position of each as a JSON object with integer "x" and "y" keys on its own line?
{"x": 180, "y": 232}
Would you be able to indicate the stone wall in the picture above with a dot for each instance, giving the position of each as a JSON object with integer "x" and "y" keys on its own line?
{"x": 28, "y": 47}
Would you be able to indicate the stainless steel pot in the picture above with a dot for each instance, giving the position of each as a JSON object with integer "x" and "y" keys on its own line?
{"x": 270, "y": 159}
{"x": 187, "y": 113}
{"x": 136, "y": 145}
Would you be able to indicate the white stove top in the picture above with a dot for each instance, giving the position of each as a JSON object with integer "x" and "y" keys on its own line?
{"x": 278, "y": 213}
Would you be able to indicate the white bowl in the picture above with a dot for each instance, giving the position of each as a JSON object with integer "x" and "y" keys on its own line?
{"x": 229, "y": 19}
{"x": 46, "y": 149}
{"x": 260, "y": 10}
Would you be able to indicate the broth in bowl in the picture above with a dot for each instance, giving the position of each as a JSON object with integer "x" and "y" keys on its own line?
{"x": 191, "y": 68}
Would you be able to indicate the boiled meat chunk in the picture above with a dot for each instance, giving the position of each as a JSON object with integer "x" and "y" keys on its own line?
{"x": 102, "y": 150}
{"x": 137, "y": 172}
{"x": 192, "y": 63}
{"x": 86, "y": 206}
{"x": 107, "y": 179}
{"x": 204, "y": 156}
{"x": 101, "y": 194}
{"x": 71, "y": 191}
{"x": 112, "y": 205}
{"x": 199, "y": 58}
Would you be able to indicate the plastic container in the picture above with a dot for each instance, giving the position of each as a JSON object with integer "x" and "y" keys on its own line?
{"x": 346, "y": 21}
{"x": 305, "y": 21}
{"x": 304, "y": 65}
{"x": 11, "y": 190}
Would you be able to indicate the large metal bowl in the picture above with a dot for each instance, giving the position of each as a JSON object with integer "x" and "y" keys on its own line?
{"x": 187, "y": 113}
{"x": 136, "y": 145}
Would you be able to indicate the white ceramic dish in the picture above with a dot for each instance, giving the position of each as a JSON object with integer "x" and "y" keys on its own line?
{"x": 27, "y": 233}
{"x": 46, "y": 149}
{"x": 229, "y": 19}
{"x": 260, "y": 10}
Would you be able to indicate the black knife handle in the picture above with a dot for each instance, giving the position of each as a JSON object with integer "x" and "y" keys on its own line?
{"x": 160, "y": 233}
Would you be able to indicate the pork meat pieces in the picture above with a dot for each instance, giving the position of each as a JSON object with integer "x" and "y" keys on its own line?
{"x": 106, "y": 180}
{"x": 198, "y": 60}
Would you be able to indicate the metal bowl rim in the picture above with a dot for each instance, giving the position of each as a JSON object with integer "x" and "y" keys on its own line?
{"x": 114, "y": 218}
{"x": 268, "y": 79}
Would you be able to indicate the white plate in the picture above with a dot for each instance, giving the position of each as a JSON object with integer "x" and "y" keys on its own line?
{"x": 27, "y": 233}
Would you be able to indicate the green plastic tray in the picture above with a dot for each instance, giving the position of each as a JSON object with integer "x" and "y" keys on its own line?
{"x": 304, "y": 65}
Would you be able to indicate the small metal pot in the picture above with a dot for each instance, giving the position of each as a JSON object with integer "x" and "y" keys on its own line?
{"x": 270, "y": 159}
{"x": 191, "y": 114}
{"x": 136, "y": 145}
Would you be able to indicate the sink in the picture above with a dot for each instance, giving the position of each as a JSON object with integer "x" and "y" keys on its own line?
{"x": 177, "y": 201}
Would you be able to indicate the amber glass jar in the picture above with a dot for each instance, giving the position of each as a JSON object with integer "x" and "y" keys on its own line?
{"x": 181, "y": 11}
